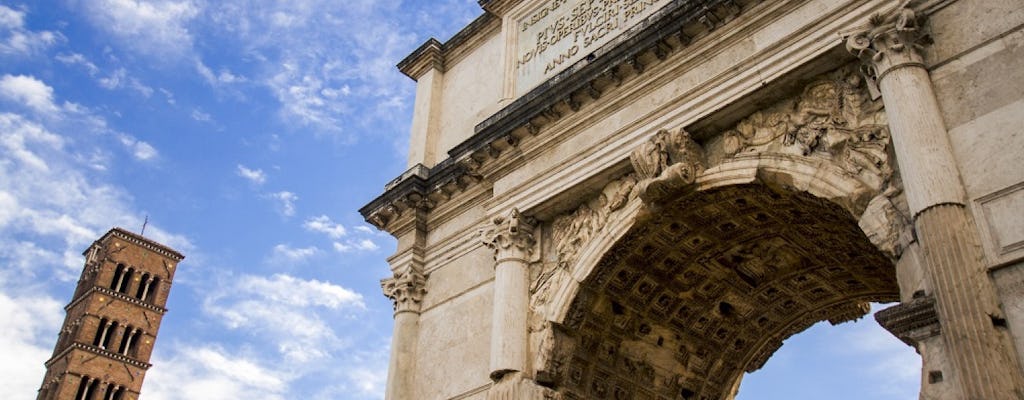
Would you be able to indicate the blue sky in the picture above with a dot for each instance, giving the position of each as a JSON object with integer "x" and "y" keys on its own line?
{"x": 250, "y": 132}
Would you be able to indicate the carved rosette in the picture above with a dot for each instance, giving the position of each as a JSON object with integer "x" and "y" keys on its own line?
{"x": 667, "y": 161}
{"x": 405, "y": 289}
{"x": 889, "y": 41}
{"x": 511, "y": 237}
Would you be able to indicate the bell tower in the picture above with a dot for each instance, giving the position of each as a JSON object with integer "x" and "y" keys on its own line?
{"x": 103, "y": 350}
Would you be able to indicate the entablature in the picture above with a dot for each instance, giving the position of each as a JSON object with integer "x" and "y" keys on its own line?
{"x": 668, "y": 30}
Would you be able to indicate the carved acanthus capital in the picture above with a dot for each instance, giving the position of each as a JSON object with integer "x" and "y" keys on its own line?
{"x": 511, "y": 237}
{"x": 890, "y": 40}
{"x": 667, "y": 161}
{"x": 405, "y": 289}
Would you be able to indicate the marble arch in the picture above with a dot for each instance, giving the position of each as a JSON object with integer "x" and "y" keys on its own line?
{"x": 654, "y": 182}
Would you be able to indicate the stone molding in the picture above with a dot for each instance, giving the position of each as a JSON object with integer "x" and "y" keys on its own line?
{"x": 511, "y": 237}
{"x": 911, "y": 322}
{"x": 670, "y": 31}
{"x": 405, "y": 289}
{"x": 890, "y": 41}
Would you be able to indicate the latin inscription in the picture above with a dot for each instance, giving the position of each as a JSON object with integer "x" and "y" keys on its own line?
{"x": 560, "y": 32}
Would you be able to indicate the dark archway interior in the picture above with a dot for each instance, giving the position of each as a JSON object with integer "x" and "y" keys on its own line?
{"x": 707, "y": 287}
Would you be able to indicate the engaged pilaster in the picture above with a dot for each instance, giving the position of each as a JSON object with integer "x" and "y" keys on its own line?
{"x": 406, "y": 290}
{"x": 513, "y": 242}
{"x": 952, "y": 260}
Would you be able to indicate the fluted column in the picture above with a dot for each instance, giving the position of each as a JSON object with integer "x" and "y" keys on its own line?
{"x": 512, "y": 239}
{"x": 952, "y": 259}
{"x": 405, "y": 289}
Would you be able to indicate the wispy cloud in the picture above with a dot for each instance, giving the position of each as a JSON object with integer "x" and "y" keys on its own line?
{"x": 355, "y": 245}
{"x": 255, "y": 176}
{"x": 210, "y": 372}
{"x": 286, "y": 202}
{"x": 154, "y": 27}
{"x": 80, "y": 60}
{"x": 288, "y": 255}
{"x": 17, "y": 39}
{"x": 323, "y": 224}
{"x": 287, "y": 311}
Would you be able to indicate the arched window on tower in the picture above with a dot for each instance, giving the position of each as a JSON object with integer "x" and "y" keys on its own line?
{"x": 114, "y": 392}
{"x": 101, "y": 332}
{"x": 87, "y": 389}
{"x": 128, "y": 275}
{"x": 131, "y": 350}
{"x": 143, "y": 289}
{"x": 105, "y": 343}
{"x": 118, "y": 277}
{"x": 150, "y": 296}
{"x": 130, "y": 335}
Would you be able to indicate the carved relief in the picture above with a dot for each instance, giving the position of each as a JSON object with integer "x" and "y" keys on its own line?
{"x": 834, "y": 118}
{"x": 569, "y": 233}
{"x": 405, "y": 289}
{"x": 667, "y": 161}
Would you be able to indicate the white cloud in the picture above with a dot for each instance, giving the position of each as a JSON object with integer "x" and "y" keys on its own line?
{"x": 288, "y": 312}
{"x": 255, "y": 176}
{"x": 78, "y": 59}
{"x": 29, "y": 328}
{"x": 365, "y": 229}
{"x": 286, "y": 202}
{"x": 141, "y": 150}
{"x": 29, "y": 91}
{"x": 120, "y": 79}
{"x": 225, "y": 76}
{"x": 16, "y": 39}
{"x": 297, "y": 292}
{"x": 323, "y": 224}
{"x": 212, "y": 373}
{"x": 201, "y": 116}
{"x": 287, "y": 255}
{"x": 355, "y": 245}
{"x": 153, "y": 27}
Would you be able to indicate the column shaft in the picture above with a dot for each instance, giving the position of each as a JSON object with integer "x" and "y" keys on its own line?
{"x": 403, "y": 353}
{"x": 511, "y": 310}
{"x": 953, "y": 263}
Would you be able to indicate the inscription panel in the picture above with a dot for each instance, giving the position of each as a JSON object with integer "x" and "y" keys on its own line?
{"x": 558, "y": 33}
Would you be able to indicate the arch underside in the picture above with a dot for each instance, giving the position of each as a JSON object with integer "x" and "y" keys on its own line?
{"x": 706, "y": 287}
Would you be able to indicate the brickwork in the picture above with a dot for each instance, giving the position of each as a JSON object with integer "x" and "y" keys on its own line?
{"x": 104, "y": 346}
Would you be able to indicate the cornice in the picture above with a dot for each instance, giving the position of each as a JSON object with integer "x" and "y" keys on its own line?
{"x": 498, "y": 7}
{"x": 100, "y": 352}
{"x": 433, "y": 54}
{"x": 430, "y": 55}
{"x": 141, "y": 241}
{"x": 116, "y": 295}
{"x": 669, "y": 30}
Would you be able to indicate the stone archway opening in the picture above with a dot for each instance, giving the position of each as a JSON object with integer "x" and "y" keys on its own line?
{"x": 706, "y": 287}
{"x": 855, "y": 360}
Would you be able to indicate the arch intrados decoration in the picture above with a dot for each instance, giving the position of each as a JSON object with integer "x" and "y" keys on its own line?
{"x": 830, "y": 143}
{"x": 773, "y": 170}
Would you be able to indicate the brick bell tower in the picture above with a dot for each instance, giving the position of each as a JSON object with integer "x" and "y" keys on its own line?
{"x": 103, "y": 349}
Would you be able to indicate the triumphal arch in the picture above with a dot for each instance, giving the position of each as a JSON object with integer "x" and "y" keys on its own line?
{"x": 641, "y": 199}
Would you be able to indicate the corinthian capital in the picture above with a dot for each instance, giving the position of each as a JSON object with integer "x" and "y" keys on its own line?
{"x": 511, "y": 237}
{"x": 889, "y": 41}
{"x": 405, "y": 289}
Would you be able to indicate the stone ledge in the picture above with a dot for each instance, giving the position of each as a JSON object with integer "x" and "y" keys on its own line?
{"x": 911, "y": 322}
